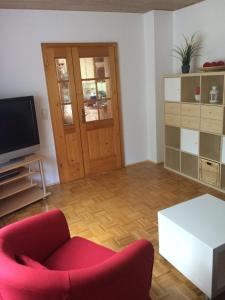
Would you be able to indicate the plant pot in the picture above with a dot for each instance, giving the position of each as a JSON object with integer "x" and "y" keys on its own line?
{"x": 185, "y": 68}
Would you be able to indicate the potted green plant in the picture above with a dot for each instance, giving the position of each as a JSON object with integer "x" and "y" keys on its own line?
{"x": 187, "y": 51}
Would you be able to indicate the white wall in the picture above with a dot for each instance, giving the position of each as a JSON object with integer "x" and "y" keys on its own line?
{"x": 145, "y": 44}
{"x": 22, "y": 73}
{"x": 150, "y": 83}
{"x": 162, "y": 31}
{"x": 208, "y": 19}
{"x": 158, "y": 61}
{"x": 163, "y": 45}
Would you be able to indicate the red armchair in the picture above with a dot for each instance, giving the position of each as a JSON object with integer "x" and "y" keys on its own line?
{"x": 58, "y": 267}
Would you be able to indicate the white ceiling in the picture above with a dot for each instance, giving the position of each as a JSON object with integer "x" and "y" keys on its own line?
{"x": 134, "y": 6}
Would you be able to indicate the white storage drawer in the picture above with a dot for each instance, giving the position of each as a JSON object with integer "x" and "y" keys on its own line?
{"x": 172, "y": 89}
{"x": 190, "y": 141}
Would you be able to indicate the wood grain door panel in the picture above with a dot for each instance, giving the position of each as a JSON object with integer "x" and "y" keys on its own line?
{"x": 67, "y": 136}
{"x": 101, "y": 143}
{"x": 101, "y": 138}
{"x": 83, "y": 89}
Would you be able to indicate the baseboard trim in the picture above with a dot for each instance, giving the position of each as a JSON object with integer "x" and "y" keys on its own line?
{"x": 143, "y": 161}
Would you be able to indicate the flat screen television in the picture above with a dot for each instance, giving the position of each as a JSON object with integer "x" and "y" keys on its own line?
{"x": 18, "y": 128}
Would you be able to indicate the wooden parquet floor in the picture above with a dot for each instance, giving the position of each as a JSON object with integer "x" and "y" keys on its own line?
{"x": 121, "y": 206}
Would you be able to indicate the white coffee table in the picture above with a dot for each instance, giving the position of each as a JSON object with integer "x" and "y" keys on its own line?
{"x": 192, "y": 239}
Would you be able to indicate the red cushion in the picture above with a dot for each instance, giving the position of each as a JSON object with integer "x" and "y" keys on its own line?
{"x": 77, "y": 253}
{"x": 27, "y": 261}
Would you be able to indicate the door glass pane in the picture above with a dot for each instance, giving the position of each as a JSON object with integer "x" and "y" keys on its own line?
{"x": 64, "y": 92}
{"x": 94, "y": 67}
{"x": 103, "y": 87}
{"x": 96, "y": 88}
{"x": 105, "y": 109}
{"x": 101, "y": 67}
{"x": 87, "y": 67}
{"x": 67, "y": 114}
{"x": 91, "y": 113}
{"x": 89, "y": 89}
{"x": 61, "y": 69}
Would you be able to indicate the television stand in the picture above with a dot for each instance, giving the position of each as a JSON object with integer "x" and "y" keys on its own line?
{"x": 8, "y": 174}
{"x": 12, "y": 161}
{"x": 26, "y": 186}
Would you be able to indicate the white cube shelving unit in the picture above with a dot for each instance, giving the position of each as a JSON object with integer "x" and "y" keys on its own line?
{"x": 195, "y": 130}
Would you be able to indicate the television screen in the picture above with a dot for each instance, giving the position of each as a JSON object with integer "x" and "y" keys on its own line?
{"x": 18, "y": 124}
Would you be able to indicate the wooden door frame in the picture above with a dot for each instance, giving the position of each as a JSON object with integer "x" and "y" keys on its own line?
{"x": 45, "y": 46}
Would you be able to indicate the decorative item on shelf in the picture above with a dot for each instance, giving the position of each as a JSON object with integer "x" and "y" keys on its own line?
{"x": 186, "y": 52}
{"x": 197, "y": 93}
{"x": 213, "y": 66}
{"x": 214, "y": 95}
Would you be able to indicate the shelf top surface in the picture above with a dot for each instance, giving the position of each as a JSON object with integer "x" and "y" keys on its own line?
{"x": 195, "y": 103}
{"x": 23, "y": 162}
{"x": 222, "y": 73}
{"x": 202, "y": 217}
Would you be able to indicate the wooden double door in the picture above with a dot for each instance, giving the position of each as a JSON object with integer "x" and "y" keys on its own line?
{"x": 82, "y": 86}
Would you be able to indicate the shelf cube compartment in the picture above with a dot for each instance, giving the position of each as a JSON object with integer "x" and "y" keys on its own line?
{"x": 172, "y": 89}
{"x": 211, "y": 119}
{"x": 189, "y": 87}
{"x": 224, "y": 120}
{"x": 209, "y": 172}
{"x": 210, "y": 145}
{"x": 189, "y": 165}
{"x": 190, "y": 115}
{"x": 172, "y": 137}
{"x": 223, "y": 177}
{"x": 190, "y": 141}
{"x": 172, "y": 159}
{"x": 208, "y": 82}
{"x": 172, "y": 114}
{"x": 223, "y": 150}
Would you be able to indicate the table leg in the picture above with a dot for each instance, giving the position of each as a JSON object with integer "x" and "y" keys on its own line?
{"x": 42, "y": 178}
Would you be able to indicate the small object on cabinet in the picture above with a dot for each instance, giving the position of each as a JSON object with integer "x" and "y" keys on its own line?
{"x": 197, "y": 93}
{"x": 214, "y": 95}
{"x": 214, "y": 66}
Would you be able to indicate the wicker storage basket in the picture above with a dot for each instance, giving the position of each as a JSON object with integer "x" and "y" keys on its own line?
{"x": 210, "y": 172}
